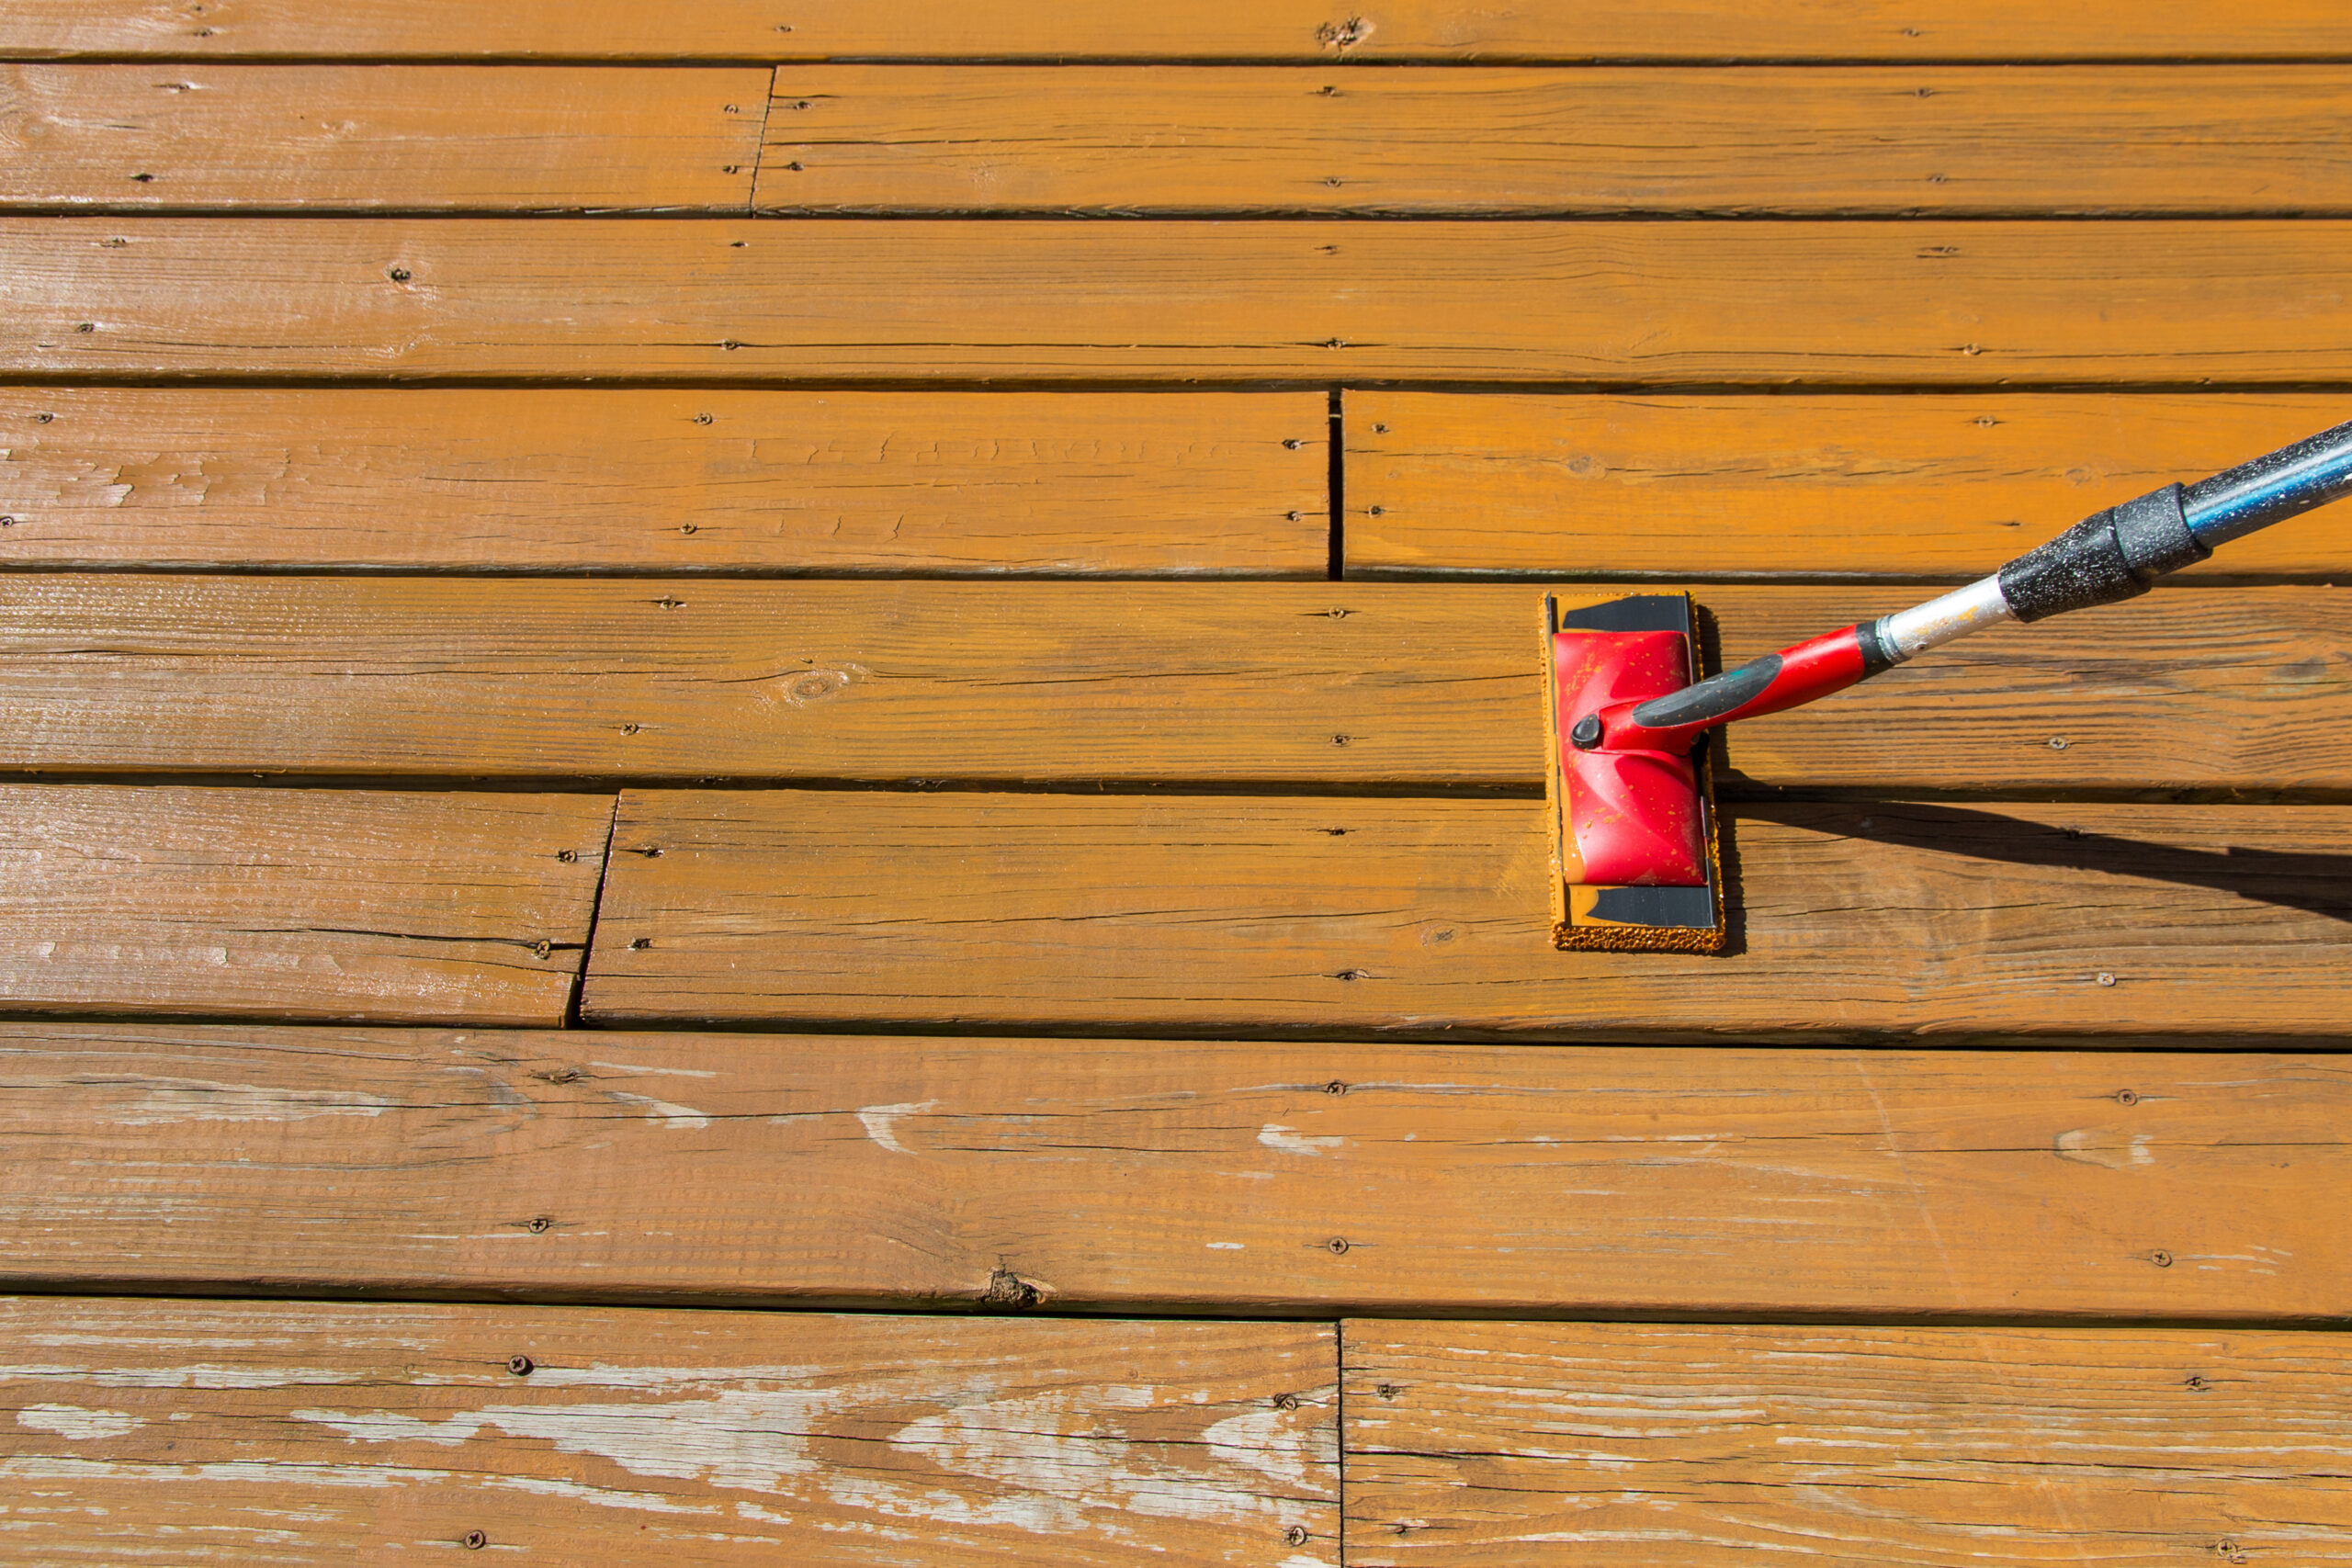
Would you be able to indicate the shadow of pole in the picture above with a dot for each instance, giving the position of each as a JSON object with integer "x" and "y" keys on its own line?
{"x": 2318, "y": 883}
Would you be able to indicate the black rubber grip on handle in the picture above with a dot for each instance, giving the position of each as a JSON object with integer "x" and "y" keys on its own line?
{"x": 2109, "y": 555}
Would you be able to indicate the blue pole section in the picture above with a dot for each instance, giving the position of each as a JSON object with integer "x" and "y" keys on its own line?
{"x": 2271, "y": 488}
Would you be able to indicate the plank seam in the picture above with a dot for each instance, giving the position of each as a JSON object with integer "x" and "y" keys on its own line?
{"x": 1340, "y": 1408}
{"x": 759, "y": 149}
{"x": 595, "y": 907}
{"x": 1336, "y": 494}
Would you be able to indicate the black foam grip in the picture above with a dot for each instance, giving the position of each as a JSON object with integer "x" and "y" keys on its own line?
{"x": 2107, "y": 556}
{"x": 2154, "y": 536}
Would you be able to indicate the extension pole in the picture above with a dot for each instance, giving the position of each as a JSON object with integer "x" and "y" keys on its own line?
{"x": 2110, "y": 556}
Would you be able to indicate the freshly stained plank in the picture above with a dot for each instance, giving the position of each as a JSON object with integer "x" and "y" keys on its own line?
{"x": 1184, "y": 29}
{"x": 1228, "y": 483}
{"x": 1223, "y": 914}
{"x": 1907, "y": 139}
{"x": 1830, "y": 486}
{"x": 296, "y": 903}
{"x": 1108, "y": 1175}
{"x": 2241, "y": 689}
{"x": 344, "y": 137}
{"x": 1832, "y": 302}
{"x": 309, "y": 1432}
{"x": 1625, "y": 1444}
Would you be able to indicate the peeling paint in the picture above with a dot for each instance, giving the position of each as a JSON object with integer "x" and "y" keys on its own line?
{"x": 881, "y": 1123}
{"x": 74, "y": 1422}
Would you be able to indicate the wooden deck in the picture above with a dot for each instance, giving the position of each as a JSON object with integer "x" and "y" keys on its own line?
{"x": 770, "y": 786}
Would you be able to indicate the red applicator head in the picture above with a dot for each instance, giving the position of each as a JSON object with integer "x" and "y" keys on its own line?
{"x": 1633, "y": 828}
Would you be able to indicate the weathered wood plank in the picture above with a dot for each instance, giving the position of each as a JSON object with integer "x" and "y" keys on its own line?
{"x": 1829, "y": 303}
{"x": 1223, "y": 915}
{"x": 1948, "y": 139}
{"x": 1109, "y": 1175}
{"x": 1182, "y": 30}
{"x": 1618, "y": 1444}
{"x": 129, "y": 138}
{"x": 296, "y": 903}
{"x": 1920, "y": 486}
{"x": 303, "y": 1433}
{"x": 2241, "y": 689}
{"x": 999, "y": 482}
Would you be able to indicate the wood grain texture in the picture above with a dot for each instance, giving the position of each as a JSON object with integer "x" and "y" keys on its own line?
{"x": 1985, "y": 140}
{"x": 130, "y": 137}
{"x": 1225, "y": 915}
{"x": 1161, "y": 484}
{"x": 1946, "y": 303}
{"x": 296, "y": 903}
{"x": 301, "y": 1433}
{"x": 2187, "y": 690}
{"x": 1616, "y": 1444}
{"x": 1110, "y": 1175}
{"x": 1920, "y": 486}
{"x": 1184, "y": 30}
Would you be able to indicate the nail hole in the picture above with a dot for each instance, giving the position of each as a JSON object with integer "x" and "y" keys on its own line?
{"x": 2125, "y": 1097}
{"x": 144, "y": 179}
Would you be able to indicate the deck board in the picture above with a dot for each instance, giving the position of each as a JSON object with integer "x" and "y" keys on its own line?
{"x": 1188, "y": 29}
{"x": 337, "y": 138}
{"x": 1278, "y": 685}
{"x": 1832, "y": 485}
{"x": 1893, "y": 142}
{"x": 1688, "y": 1445}
{"x": 302, "y": 904}
{"x": 947, "y": 484}
{"x": 261, "y": 1432}
{"x": 1829, "y": 303}
{"x": 1106, "y": 1174}
{"x": 1240, "y": 915}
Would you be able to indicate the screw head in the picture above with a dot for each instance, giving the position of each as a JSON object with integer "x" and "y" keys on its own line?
{"x": 521, "y": 1366}
{"x": 1296, "y": 1534}
{"x": 1285, "y": 1402}
{"x": 2161, "y": 1259}
{"x": 1337, "y": 1244}
{"x": 400, "y": 274}
{"x": 538, "y": 1225}
{"x": 473, "y": 1541}
{"x": 2126, "y": 1096}
{"x": 2105, "y": 978}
